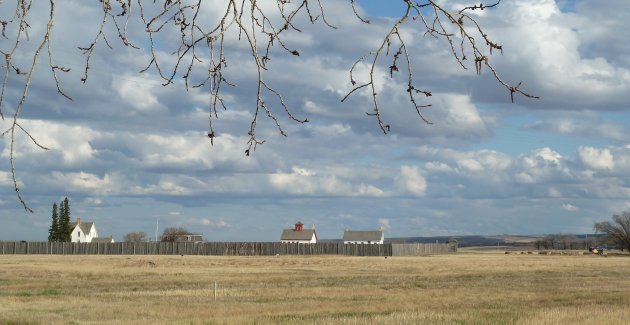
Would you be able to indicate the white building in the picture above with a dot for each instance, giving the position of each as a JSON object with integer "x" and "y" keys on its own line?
{"x": 363, "y": 237}
{"x": 299, "y": 235}
{"x": 83, "y": 232}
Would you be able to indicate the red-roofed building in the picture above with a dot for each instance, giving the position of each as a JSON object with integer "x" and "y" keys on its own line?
{"x": 299, "y": 235}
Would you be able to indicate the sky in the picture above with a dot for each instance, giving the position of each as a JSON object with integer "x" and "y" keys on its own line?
{"x": 132, "y": 155}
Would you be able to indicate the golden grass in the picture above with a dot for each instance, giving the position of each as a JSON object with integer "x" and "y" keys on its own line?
{"x": 469, "y": 288}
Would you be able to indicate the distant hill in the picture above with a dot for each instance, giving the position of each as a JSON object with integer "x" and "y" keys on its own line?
{"x": 472, "y": 240}
{"x": 486, "y": 240}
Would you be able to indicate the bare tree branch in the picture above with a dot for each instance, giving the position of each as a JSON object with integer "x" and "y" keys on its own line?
{"x": 438, "y": 28}
{"x": 25, "y": 7}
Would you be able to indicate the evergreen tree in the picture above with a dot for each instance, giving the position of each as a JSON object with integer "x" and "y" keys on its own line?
{"x": 65, "y": 230}
{"x": 53, "y": 232}
{"x": 61, "y": 222}
{"x": 68, "y": 231}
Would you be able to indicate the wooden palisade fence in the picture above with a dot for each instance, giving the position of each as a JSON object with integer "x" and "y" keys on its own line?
{"x": 223, "y": 249}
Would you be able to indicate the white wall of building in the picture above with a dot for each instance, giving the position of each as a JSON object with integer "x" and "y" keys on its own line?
{"x": 79, "y": 236}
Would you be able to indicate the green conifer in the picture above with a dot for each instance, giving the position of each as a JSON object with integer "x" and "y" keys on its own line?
{"x": 65, "y": 229}
{"x": 53, "y": 231}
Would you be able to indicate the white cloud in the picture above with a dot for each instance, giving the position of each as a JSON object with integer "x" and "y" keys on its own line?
{"x": 555, "y": 193}
{"x": 597, "y": 158}
{"x": 370, "y": 190}
{"x": 385, "y": 223}
{"x": 305, "y": 182}
{"x": 454, "y": 116}
{"x": 6, "y": 179}
{"x": 570, "y": 207}
{"x": 138, "y": 92}
{"x": 302, "y": 171}
{"x": 189, "y": 150}
{"x": 461, "y": 112}
{"x": 411, "y": 181}
{"x": 69, "y": 142}
{"x": 548, "y": 49}
{"x": 542, "y": 165}
{"x": 93, "y": 202}
{"x": 547, "y": 155}
{"x": 211, "y": 223}
{"x": 166, "y": 185}
{"x": 437, "y": 166}
{"x": 88, "y": 182}
{"x": 470, "y": 165}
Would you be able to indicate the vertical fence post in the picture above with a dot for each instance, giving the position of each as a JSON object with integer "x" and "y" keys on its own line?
{"x": 215, "y": 290}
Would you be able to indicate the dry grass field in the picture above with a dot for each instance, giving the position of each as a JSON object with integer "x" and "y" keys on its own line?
{"x": 466, "y": 288}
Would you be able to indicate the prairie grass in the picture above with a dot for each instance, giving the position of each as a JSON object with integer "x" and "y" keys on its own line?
{"x": 469, "y": 288}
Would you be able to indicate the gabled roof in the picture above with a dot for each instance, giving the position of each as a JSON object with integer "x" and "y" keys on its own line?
{"x": 291, "y": 234}
{"x": 84, "y": 226}
{"x": 360, "y": 235}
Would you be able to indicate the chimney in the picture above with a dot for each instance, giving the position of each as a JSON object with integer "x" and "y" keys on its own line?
{"x": 78, "y": 221}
